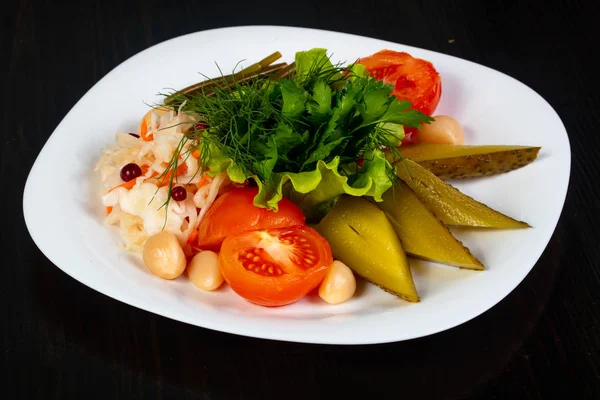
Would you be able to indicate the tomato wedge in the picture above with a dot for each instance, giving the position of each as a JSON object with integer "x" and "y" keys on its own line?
{"x": 414, "y": 79}
{"x": 234, "y": 212}
{"x": 275, "y": 267}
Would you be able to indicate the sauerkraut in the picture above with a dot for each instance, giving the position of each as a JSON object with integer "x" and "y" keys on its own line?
{"x": 140, "y": 209}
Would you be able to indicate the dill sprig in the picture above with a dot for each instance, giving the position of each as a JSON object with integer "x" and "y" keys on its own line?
{"x": 272, "y": 125}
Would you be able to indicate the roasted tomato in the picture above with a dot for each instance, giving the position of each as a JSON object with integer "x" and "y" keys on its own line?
{"x": 275, "y": 267}
{"x": 233, "y": 213}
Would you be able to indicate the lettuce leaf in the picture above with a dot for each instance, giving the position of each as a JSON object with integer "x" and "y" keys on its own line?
{"x": 310, "y": 61}
{"x": 311, "y": 189}
{"x": 314, "y": 191}
{"x": 221, "y": 163}
{"x": 358, "y": 71}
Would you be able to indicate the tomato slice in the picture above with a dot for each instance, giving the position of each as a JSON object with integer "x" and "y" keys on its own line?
{"x": 234, "y": 212}
{"x": 414, "y": 80}
{"x": 275, "y": 267}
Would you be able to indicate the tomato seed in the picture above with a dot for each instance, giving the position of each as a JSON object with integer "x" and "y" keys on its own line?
{"x": 263, "y": 267}
{"x": 270, "y": 270}
{"x": 256, "y": 259}
{"x": 248, "y": 255}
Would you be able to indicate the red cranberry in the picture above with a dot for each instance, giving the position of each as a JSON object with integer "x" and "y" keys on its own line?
{"x": 178, "y": 193}
{"x": 197, "y": 127}
{"x": 130, "y": 171}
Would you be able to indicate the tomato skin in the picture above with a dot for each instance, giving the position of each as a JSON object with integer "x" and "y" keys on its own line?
{"x": 273, "y": 290}
{"x": 414, "y": 79}
{"x": 233, "y": 213}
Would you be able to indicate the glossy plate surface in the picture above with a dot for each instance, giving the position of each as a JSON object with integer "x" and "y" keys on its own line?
{"x": 65, "y": 217}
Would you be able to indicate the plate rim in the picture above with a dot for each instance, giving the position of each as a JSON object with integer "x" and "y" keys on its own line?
{"x": 274, "y": 336}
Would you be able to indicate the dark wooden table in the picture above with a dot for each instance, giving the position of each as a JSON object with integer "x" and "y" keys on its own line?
{"x": 61, "y": 340}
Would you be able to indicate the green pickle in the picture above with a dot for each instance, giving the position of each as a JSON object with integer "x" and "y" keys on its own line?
{"x": 449, "y": 161}
{"x": 449, "y": 204}
{"x": 422, "y": 235}
{"x": 362, "y": 237}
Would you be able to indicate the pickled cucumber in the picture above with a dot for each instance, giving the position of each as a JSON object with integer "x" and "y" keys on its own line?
{"x": 456, "y": 161}
{"x": 362, "y": 237}
{"x": 421, "y": 234}
{"x": 450, "y": 205}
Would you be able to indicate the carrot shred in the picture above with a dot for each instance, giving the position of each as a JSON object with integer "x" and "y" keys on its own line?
{"x": 193, "y": 236}
{"x": 109, "y": 210}
{"x": 205, "y": 180}
{"x": 144, "y": 131}
{"x": 182, "y": 169}
{"x": 126, "y": 185}
{"x": 196, "y": 154}
{"x": 154, "y": 175}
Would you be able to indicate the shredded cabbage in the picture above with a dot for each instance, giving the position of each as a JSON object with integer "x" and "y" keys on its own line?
{"x": 140, "y": 212}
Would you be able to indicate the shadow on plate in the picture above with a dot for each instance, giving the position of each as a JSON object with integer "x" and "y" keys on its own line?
{"x": 166, "y": 352}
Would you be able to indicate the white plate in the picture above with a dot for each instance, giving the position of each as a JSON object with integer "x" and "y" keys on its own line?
{"x": 65, "y": 218}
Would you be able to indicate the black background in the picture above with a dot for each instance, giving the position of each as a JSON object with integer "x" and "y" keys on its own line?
{"x": 61, "y": 340}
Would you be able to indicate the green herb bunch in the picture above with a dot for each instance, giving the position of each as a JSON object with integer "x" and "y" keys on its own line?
{"x": 325, "y": 118}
